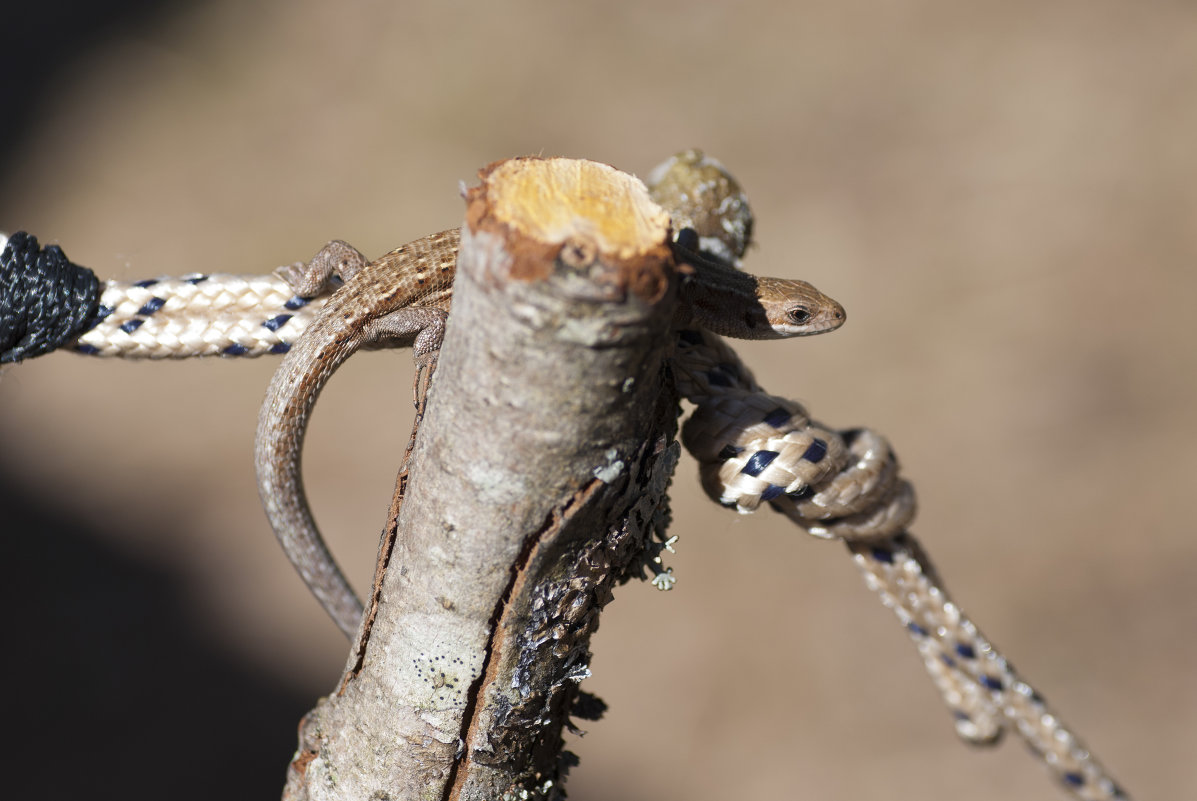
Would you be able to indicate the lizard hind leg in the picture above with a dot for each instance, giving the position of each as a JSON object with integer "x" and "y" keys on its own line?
{"x": 425, "y": 367}
{"x": 425, "y": 357}
{"x": 427, "y": 324}
{"x": 425, "y": 327}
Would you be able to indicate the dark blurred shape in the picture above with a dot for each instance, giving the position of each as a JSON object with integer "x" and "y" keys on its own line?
{"x": 112, "y": 692}
{"x": 42, "y": 41}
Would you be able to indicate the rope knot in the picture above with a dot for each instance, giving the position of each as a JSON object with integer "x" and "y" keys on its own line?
{"x": 45, "y": 299}
{"x": 755, "y": 448}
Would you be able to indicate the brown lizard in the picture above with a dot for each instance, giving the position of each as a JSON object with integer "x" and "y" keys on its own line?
{"x": 404, "y": 296}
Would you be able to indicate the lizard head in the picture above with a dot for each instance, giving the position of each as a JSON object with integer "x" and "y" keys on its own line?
{"x": 737, "y": 304}
{"x": 796, "y": 309}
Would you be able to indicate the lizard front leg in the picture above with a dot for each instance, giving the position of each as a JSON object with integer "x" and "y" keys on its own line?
{"x": 337, "y": 258}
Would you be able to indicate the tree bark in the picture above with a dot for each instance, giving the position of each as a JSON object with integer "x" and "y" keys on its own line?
{"x": 538, "y": 482}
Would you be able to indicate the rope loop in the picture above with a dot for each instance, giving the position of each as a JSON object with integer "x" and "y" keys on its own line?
{"x": 45, "y": 299}
{"x": 754, "y": 448}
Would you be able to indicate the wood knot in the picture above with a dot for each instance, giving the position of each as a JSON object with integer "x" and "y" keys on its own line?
{"x": 578, "y": 253}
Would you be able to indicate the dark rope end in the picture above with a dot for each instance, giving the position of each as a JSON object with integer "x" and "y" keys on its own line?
{"x": 45, "y": 299}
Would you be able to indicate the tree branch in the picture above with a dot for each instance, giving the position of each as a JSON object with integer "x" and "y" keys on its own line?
{"x": 537, "y": 483}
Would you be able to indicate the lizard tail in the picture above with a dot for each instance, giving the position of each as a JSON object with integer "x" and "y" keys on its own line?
{"x": 278, "y": 446}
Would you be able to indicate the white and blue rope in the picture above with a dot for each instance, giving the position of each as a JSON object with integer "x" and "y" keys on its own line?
{"x": 753, "y": 448}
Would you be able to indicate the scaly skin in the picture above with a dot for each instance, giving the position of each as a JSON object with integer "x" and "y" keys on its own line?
{"x": 405, "y": 296}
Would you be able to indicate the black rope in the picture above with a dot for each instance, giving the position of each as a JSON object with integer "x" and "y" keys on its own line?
{"x": 45, "y": 300}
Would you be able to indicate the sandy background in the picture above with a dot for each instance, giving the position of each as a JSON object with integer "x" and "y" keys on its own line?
{"x": 1004, "y": 197}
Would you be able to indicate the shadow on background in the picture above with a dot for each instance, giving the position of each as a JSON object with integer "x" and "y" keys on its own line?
{"x": 42, "y": 42}
{"x": 113, "y": 690}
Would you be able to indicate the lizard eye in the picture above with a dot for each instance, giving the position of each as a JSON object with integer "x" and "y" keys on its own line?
{"x": 799, "y": 315}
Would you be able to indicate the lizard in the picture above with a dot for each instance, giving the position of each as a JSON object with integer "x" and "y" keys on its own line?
{"x": 400, "y": 298}
{"x": 404, "y": 297}
{"x": 847, "y": 500}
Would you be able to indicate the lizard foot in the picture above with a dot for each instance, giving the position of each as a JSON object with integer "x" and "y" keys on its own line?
{"x": 335, "y": 260}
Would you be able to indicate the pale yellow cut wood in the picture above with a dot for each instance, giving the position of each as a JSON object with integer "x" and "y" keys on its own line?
{"x": 557, "y": 200}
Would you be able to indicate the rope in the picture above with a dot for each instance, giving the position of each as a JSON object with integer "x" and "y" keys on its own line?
{"x": 992, "y": 693}
{"x": 755, "y": 448}
{"x": 45, "y": 299}
{"x": 47, "y": 302}
{"x": 211, "y": 314}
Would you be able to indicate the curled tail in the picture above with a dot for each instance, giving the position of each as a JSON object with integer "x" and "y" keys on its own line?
{"x": 278, "y": 446}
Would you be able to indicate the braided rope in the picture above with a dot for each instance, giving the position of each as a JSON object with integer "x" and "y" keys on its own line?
{"x": 753, "y": 448}
{"x": 45, "y": 299}
{"x": 47, "y": 302}
{"x": 902, "y": 574}
{"x": 198, "y": 315}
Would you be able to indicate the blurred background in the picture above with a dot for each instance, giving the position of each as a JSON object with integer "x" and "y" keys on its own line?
{"x": 1003, "y": 196}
